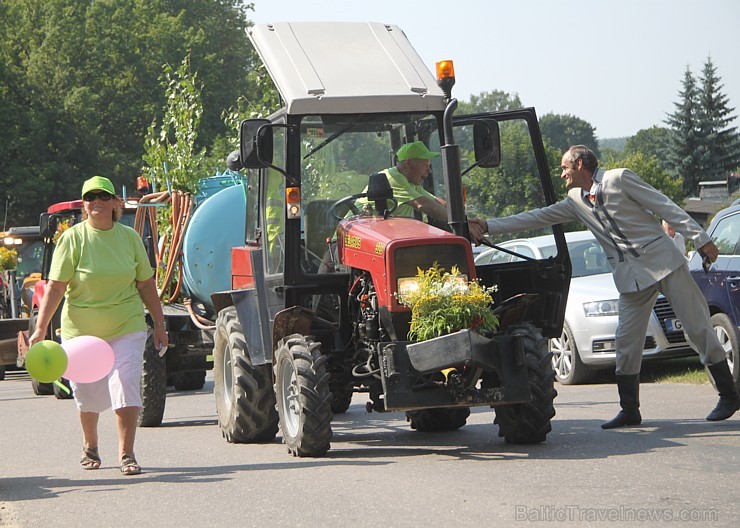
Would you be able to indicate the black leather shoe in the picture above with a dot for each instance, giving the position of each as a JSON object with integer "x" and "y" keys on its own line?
{"x": 622, "y": 419}
{"x": 725, "y": 408}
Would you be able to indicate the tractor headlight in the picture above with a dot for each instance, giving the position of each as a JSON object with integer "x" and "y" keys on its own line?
{"x": 407, "y": 286}
{"x": 601, "y": 308}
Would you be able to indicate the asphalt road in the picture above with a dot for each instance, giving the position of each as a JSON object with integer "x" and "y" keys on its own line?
{"x": 674, "y": 470}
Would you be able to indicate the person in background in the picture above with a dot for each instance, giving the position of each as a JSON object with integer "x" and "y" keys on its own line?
{"x": 101, "y": 269}
{"x": 677, "y": 238}
{"x": 619, "y": 208}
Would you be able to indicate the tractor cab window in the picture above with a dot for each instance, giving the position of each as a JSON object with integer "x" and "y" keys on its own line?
{"x": 512, "y": 187}
{"x": 274, "y": 200}
{"x": 338, "y": 155}
{"x": 30, "y": 258}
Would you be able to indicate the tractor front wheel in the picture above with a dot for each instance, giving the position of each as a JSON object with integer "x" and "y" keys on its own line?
{"x": 303, "y": 396}
{"x": 529, "y": 423}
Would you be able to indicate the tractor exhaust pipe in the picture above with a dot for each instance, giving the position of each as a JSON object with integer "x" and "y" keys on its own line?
{"x": 453, "y": 176}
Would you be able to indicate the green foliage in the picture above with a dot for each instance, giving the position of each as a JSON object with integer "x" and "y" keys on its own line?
{"x": 8, "y": 259}
{"x": 649, "y": 169}
{"x": 684, "y": 149}
{"x": 494, "y": 101}
{"x": 651, "y": 141}
{"x": 79, "y": 86}
{"x": 722, "y": 141}
{"x": 617, "y": 144}
{"x": 171, "y": 159}
{"x": 702, "y": 146}
{"x": 564, "y": 131}
{"x": 446, "y": 302}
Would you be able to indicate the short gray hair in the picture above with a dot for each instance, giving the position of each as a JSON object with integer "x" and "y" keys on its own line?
{"x": 582, "y": 152}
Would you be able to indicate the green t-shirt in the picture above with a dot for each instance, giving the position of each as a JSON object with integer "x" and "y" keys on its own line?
{"x": 101, "y": 269}
{"x": 403, "y": 192}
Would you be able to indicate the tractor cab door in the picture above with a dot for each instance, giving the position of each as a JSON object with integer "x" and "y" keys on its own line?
{"x": 523, "y": 178}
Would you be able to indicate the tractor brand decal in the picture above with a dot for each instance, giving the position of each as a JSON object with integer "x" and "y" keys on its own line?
{"x": 352, "y": 241}
{"x": 379, "y": 247}
{"x": 315, "y": 133}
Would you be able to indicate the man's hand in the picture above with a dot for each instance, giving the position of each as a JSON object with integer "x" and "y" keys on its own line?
{"x": 710, "y": 251}
{"x": 477, "y": 228}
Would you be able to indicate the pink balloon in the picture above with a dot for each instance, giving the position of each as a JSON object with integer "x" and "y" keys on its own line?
{"x": 89, "y": 359}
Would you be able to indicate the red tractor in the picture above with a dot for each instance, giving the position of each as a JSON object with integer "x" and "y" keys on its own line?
{"x": 313, "y": 314}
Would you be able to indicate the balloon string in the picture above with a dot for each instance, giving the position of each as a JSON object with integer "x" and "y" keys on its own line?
{"x": 61, "y": 386}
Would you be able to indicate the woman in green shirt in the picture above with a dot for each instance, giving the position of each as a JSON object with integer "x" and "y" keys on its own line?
{"x": 101, "y": 269}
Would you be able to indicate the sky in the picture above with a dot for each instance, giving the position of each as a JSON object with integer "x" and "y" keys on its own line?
{"x": 617, "y": 64}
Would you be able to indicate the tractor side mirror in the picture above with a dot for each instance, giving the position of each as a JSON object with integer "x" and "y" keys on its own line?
{"x": 47, "y": 225}
{"x": 487, "y": 143}
{"x": 255, "y": 143}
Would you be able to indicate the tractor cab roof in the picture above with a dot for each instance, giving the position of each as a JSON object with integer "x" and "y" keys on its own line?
{"x": 345, "y": 67}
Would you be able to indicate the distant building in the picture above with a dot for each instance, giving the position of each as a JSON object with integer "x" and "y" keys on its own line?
{"x": 713, "y": 196}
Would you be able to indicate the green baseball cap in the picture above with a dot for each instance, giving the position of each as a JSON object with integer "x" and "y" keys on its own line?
{"x": 98, "y": 183}
{"x": 417, "y": 149}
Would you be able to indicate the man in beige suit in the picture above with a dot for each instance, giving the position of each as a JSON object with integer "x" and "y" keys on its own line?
{"x": 619, "y": 209}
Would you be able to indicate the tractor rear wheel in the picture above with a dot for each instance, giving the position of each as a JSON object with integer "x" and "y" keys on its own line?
{"x": 434, "y": 420}
{"x": 303, "y": 396}
{"x": 529, "y": 423}
{"x": 153, "y": 385}
{"x": 341, "y": 400}
{"x": 187, "y": 381}
{"x": 245, "y": 402}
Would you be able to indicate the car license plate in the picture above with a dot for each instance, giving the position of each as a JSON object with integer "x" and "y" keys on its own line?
{"x": 673, "y": 325}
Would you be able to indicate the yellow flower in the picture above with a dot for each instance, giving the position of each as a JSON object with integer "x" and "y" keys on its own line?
{"x": 448, "y": 302}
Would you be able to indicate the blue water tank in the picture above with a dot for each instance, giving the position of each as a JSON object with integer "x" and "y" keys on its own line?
{"x": 216, "y": 226}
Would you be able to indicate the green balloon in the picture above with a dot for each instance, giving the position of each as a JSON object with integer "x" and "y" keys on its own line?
{"x": 46, "y": 361}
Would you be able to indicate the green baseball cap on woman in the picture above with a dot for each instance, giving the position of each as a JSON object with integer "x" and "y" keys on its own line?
{"x": 417, "y": 149}
{"x": 98, "y": 183}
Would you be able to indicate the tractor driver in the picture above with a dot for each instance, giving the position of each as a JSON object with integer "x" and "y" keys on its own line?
{"x": 414, "y": 163}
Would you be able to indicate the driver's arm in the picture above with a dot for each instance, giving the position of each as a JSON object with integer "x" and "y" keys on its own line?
{"x": 435, "y": 208}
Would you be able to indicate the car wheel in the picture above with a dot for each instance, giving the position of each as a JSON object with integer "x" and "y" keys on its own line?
{"x": 729, "y": 337}
{"x": 566, "y": 362}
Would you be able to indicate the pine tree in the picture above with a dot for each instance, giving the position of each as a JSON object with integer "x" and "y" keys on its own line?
{"x": 685, "y": 148}
{"x": 722, "y": 143}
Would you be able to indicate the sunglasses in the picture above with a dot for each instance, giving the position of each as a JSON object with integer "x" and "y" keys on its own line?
{"x": 102, "y": 195}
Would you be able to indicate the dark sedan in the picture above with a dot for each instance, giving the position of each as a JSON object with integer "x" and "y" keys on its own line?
{"x": 721, "y": 284}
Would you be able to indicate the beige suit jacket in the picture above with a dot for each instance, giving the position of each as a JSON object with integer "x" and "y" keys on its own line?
{"x": 623, "y": 221}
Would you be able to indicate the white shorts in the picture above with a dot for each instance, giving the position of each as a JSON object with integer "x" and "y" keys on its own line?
{"x": 122, "y": 387}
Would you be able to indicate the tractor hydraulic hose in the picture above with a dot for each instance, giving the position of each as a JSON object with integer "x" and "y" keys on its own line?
{"x": 198, "y": 320}
{"x": 181, "y": 208}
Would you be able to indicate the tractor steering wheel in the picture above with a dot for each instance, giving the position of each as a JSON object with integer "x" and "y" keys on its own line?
{"x": 349, "y": 202}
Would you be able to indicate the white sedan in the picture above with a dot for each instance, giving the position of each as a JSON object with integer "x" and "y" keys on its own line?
{"x": 587, "y": 342}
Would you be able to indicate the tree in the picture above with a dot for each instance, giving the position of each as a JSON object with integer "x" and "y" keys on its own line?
{"x": 171, "y": 157}
{"x": 702, "y": 145}
{"x": 79, "y": 86}
{"x": 685, "y": 148}
{"x": 563, "y": 131}
{"x": 649, "y": 169}
{"x": 494, "y": 101}
{"x": 722, "y": 152}
{"x": 651, "y": 141}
